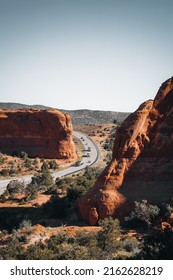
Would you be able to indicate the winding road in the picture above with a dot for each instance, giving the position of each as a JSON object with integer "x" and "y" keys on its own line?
{"x": 92, "y": 155}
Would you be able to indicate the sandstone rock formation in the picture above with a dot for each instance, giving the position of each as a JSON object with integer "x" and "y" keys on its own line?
{"x": 142, "y": 161}
{"x": 40, "y": 133}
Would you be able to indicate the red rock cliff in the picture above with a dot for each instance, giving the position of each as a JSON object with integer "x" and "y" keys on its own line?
{"x": 40, "y": 133}
{"x": 142, "y": 161}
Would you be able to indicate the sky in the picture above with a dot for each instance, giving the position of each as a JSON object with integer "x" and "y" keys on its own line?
{"x": 85, "y": 54}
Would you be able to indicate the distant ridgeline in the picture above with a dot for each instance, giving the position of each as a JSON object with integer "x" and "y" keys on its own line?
{"x": 78, "y": 116}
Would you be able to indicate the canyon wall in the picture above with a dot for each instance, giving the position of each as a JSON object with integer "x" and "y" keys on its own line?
{"x": 40, "y": 133}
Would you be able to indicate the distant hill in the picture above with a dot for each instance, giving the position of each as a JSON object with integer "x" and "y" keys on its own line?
{"x": 82, "y": 116}
{"x": 11, "y": 105}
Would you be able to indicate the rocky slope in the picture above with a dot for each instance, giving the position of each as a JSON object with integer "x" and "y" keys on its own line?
{"x": 142, "y": 161}
{"x": 40, "y": 133}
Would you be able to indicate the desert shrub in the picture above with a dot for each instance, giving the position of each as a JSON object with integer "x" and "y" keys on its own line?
{"x": 157, "y": 245}
{"x": 107, "y": 146}
{"x": 27, "y": 163}
{"x": 13, "y": 251}
{"x": 74, "y": 192}
{"x": 166, "y": 208}
{"x": 2, "y": 159}
{"x": 53, "y": 165}
{"x": 23, "y": 155}
{"x": 107, "y": 236}
{"x": 31, "y": 191}
{"x": 132, "y": 245}
{"x": 12, "y": 162}
{"x": 67, "y": 251}
{"x": 3, "y": 198}
{"x": 143, "y": 214}
{"x": 5, "y": 172}
{"x": 44, "y": 179}
{"x": 15, "y": 186}
{"x": 66, "y": 247}
{"x": 36, "y": 163}
{"x": 13, "y": 171}
{"x": 45, "y": 167}
{"x": 25, "y": 224}
{"x": 56, "y": 240}
{"x": 92, "y": 173}
{"x": 76, "y": 186}
{"x": 38, "y": 252}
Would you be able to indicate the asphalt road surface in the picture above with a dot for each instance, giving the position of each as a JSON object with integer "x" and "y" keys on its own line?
{"x": 91, "y": 153}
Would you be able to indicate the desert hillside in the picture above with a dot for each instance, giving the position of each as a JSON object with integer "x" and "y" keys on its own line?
{"x": 78, "y": 116}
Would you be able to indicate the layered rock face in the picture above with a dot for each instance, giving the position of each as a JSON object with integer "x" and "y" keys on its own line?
{"x": 40, "y": 133}
{"x": 142, "y": 162}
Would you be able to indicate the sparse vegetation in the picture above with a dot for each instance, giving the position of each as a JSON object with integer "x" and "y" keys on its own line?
{"x": 109, "y": 240}
{"x": 105, "y": 243}
{"x": 20, "y": 164}
{"x": 143, "y": 213}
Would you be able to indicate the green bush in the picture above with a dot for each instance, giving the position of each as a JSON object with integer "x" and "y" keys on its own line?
{"x": 2, "y": 159}
{"x": 44, "y": 179}
{"x": 107, "y": 236}
{"x": 23, "y": 155}
{"x": 27, "y": 163}
{"x": 15, "y": 186}
{"x": 75, "y": 191}
{"x": 53, "y": 165}
{"x": 143, "y": 214}
{"x": 31, "y": 191}
{"x": 25, "y": 224}
{"x": 5, "y": 172}
{"x": 45, "y": 167}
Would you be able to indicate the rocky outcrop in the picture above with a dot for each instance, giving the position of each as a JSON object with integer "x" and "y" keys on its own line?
{"x": 40, "y": 133}
{"x": 142, "y": 161}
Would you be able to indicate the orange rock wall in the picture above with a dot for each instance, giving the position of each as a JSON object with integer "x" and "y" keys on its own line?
{"x": 144, "y": 138}
{"x": 40, "y": 133}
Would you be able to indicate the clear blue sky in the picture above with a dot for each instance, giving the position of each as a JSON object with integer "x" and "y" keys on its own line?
{"x": 93, "y": 54}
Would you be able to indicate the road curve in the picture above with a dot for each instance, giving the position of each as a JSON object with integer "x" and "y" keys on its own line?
{"x": 93, "y": 156}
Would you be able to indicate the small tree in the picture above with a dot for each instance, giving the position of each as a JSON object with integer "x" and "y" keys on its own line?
{"x": 45, "y": 179}
{"x": 23, "y": 155}
{"x": 25, "y": 224}
{"x": 15, "y": 186}
{"x": 5, "y": 172}
{"x": 144, "y": 213}
{"x": 74, "y": 192}
{"x": 28, "y": 163}
{"x": 44, "y": 167}
{"x": 36, "y": 163}
{"x": 107, "y": 237}
{"x": 31, "y": 191}
{"x": 53, "y": 165}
